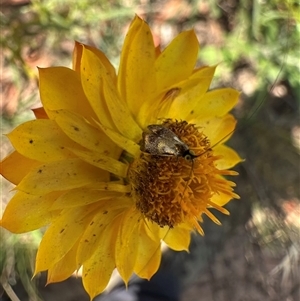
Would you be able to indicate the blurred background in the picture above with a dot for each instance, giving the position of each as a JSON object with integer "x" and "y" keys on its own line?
{"x": 255, "y": 255}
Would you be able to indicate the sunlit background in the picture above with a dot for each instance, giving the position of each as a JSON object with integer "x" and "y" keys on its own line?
{"x": 256, "y": 253}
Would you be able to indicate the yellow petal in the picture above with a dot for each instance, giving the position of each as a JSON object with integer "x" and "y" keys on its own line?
{"x": 128, "y": 145}
{"x": 177, "y": 61}
{"x": 41, "y": 140}
{"x": 102, "y": 161}
{"x": 85, "y": 134}
{"x": 149, "y": 254}
{"x": 215, "y": 103}
{"x": 221, "y": 199}
{"x": 121, "y": 116}
{"x": 60, "y": 88}
{"x": 112, "y": 185}
{"x": 178, "y": 239}
{"x": 95, "y": 233}
{"x": 154, "y": 231}
{"x": 159, "y": 107}
{"x": 117, "y": 186}
{"x": 136, "y": 75}
{"x": 64, "y": 268}
{"x": 92, "y": 72}
{"x": 84, "y": 196}
{"x": 111, "y": 111}
{"x": 229, "y": 157}
{"x": 26, "y": 212}
{"x": 77, "y": 55}
{"x": 110, "y": 70}
{"x": 218, "y": 129}
{"x": 97, "y": 269}
{"x": 126, "y": 250}
{"x": 61, "y": 236}
{"x": 61, "y": 175}
{"x": 15, "y": 167}
{"x": 190, "y": 92}
{"x": 225, "y": 192}
{"x": 178, "y": 100}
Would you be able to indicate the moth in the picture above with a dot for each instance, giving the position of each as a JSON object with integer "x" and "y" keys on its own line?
{"x": 161, "y": 141}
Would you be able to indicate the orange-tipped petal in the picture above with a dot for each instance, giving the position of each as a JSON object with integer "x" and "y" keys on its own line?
{"x": 15, "y": 167}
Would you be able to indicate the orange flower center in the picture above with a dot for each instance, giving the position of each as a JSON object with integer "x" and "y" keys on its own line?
{"x": 172, "y": 189}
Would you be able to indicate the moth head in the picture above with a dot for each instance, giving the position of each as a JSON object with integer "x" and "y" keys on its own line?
{"x": 189, "y": 155}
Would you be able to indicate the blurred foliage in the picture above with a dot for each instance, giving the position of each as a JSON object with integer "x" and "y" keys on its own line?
{"x": 263, "y": 35}
{"x": 17, "y": 261}
{"x": 48, "y": 23}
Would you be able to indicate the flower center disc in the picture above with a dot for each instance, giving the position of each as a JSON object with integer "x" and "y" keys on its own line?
{"x": 171, "y": 189}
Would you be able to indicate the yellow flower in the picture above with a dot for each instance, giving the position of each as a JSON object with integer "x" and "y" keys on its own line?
{"x": 108, "y": 187}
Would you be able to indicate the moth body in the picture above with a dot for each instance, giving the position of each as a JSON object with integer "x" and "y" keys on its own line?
{"x": 161, "y": 141}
